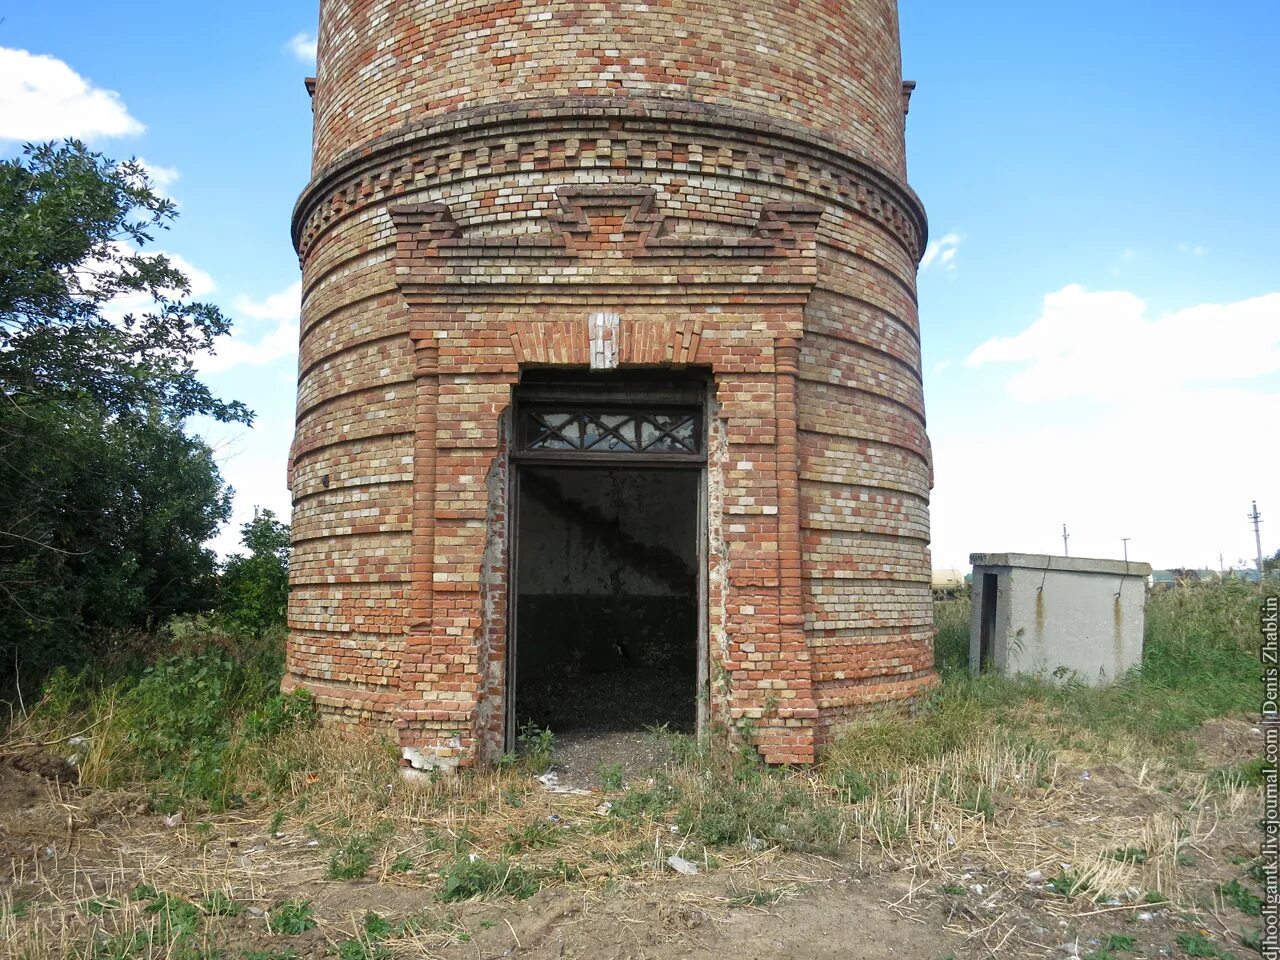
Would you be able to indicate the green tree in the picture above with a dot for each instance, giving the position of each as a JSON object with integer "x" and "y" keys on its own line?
{"x": 106, "y": 520}
{"x": 255, "y": 588}
{"x": 73, "y": 226}
{"x": 105, "y": 501}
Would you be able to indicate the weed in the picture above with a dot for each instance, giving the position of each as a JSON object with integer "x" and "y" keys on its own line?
{"x": 534, "y": 836}
{"x": 854, "y": 785}
{"x": 1252, "y": 773}
{"x": 1241, "y": 897}
{"x": 954, "y": 889}
{"x": 647, "y": 804}
{"x": 373, "y": 928}
{"x": 352, "y": 859}
{"x": 1135, "y": 855}
{"x": 218, "y": 904}
{"x": 473, "y": 876}
{"x": 759, "y": 808}
{"x": 976, "y": 799}
{"x": 403, "y": 863}
{"x": 361, "y": 950}
{"x": 1120, "y": 941}
{"x": 193, "y": 730}
{"x": 98, "y": 907}
{"x": 756, "y": 898}
{"x": 1195, "y": 945}
{"x": 376, "y": 926}
{"x": 1068, "y": 885}
{"x": 536, "y": 747}
{"x": 292, "y": 917}
{"x": 175, "y": 917}
{"x": 611, "y": 776}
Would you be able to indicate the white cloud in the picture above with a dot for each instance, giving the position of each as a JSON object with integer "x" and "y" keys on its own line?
{"x": 254, "y": 461}
{"x": 1103, "y": 346}
{"x": 42, "y": 98}
{"x": 1192, "y": 249}
{"x": 303, "y": 47}
{"x": 1168, "y": 450}
{"x": 243, "y": 347}
{"x": 1175, "y": 476}
{"x": 942, "y": 252}
{"x": 162, "y": 178}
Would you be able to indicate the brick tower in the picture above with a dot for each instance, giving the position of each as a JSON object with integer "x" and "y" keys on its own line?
{"x": 609, "y": 385}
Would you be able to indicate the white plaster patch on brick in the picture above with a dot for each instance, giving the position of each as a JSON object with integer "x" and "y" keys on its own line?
{"x": 603, "y": 331}
{"x": 421, "y": 763}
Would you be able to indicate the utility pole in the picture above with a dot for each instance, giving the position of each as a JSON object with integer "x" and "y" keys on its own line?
{"x": 1256, "y": 517}
{"x": 1125, "y": 541}
{"x": 1066, "y": 536}
{"x": 1222, "y": 569}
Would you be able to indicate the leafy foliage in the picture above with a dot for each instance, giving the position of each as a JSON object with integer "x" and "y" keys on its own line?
{"x": 73, "y": 226}
{"x": 102, "y": 524}
{"x": 186, "y": 729}
{"x": 255, "y": 588}
{"x": 293, "y": 917}
{"x": 105, "y": 502}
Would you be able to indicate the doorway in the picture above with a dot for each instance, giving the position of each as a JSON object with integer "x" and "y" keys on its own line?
{"x": 608, "y": 584}
{"x": 987, "y": 631}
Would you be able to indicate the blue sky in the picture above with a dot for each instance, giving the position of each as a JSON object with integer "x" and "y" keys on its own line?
{"x": 1100, "y": 304}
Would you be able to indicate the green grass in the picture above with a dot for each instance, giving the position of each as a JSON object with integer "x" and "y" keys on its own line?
{"x": 353, "y": 854}
{"x": 1195, "y": 945}
{"x": 1241, "y": 897}
{"x": 293, "y": 917}
{"x": 1199, "y": 662}
{"x": 197, "y": 729}
{"x": 472, "y": 876}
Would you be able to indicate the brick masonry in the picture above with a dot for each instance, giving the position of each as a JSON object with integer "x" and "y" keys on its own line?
{"x": 731, "y": 185}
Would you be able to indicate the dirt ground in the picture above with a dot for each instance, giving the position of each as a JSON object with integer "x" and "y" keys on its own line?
{"x": 71, "y": 861}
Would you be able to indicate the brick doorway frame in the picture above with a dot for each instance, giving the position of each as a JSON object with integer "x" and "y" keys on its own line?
{"x": 621, "y": 394}
{"x": 480, "y": 309}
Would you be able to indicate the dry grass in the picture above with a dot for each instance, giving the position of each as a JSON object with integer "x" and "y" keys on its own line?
{"x": 1006, "y": 805}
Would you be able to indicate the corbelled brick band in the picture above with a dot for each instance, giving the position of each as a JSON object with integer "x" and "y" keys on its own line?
{"x": 730, "y": 183}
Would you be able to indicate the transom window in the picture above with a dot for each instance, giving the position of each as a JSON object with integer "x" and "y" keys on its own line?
{"x": 633, "y": 431}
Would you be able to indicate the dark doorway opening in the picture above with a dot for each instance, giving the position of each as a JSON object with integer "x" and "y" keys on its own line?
{"x": 990, "y": 593}
{"x": 607, "y": 597}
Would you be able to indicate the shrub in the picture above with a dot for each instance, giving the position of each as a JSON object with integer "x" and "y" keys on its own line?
{"x": 194, "y": 729}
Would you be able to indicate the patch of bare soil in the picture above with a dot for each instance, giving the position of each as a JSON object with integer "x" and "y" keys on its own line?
{"x": 596, "y": 759}
{"x": 1055, "y": 872}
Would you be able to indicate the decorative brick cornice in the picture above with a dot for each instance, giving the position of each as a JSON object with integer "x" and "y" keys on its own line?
{"x": 637, "y": 138}
{"x": 600, "y": 239}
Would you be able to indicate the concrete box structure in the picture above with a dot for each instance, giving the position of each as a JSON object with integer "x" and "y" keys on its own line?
{"x": 611, "y": 208}
{"x": 1041, "y": 616}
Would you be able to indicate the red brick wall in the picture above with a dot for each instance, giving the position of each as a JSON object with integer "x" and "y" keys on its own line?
{"x": 832, "y": 67}
{"x": 466, "y": 235}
